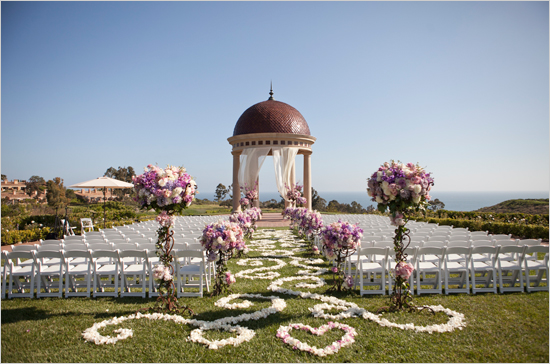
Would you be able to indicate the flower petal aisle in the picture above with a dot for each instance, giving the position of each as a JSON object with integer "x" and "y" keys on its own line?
{"x": 274, "y": 247}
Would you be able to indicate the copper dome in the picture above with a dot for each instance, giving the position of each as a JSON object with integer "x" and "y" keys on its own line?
{"x": 271, "y": 117}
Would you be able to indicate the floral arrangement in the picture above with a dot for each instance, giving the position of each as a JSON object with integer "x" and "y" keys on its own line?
{"x": 294, "y": 194}
{"x": 311, "y": 223}
{"x": 168, "y": 191}
{"x": 245, "y": 221}
{"x": 403, "y": 270}
{"x": 250, "y": 194}
{"x": 255, "y": 213}
{"x": 244, "y": 202}
{"x": 340, "y": 240}
{"x": 401, "y": 188}
{"x": 221, "y": 240}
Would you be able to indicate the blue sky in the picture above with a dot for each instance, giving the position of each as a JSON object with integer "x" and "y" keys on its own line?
{"x": 460, "y": 87}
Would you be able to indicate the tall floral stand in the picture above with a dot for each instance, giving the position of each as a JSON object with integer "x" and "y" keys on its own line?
{"x": 168, "y": 191}
{"x": 400, "y": 188}
{"x": 167, "y": 300}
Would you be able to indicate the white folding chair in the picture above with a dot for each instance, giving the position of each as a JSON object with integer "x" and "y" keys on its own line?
{"x": 24, "y": 248}
{"x": 369, "y": 270}
{"x": 426, "y": 268}
{"x": 79, "y": 265}
{"x": 539, "y": 266}
{"x": 4, "y": 258}
{"x": 111, "y": 269}
{"x": 457, "y": 261}
{"x": 137, "y": 268}
{"x": 152, "y": 261}
{"x": 86, "y": 223}
{"x": 506, "y": 265}
{"x": 17, "y": 272}
{"x": 46, "y": 272}
{"x": 186, "y": 273}
{"x": 487, "y": 269}
{"x": 67, "y": 228}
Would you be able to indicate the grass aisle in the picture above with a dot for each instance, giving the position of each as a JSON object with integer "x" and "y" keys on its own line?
{"x": 500, "y": 328}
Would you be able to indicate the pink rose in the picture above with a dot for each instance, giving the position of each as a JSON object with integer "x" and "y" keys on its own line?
{"x": 404, "y": 270}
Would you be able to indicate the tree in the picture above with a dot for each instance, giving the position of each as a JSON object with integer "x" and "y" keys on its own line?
{"x": 4, "y": 177}
{"x": 35, "y": 184}
{"x": 55, "y": 194}
{"x": 122, "y": 174}
{"x": 317, "y": 202}
{"x": 436, "y": 205}
{"x": 333, "y": 206}
{"x": 221, "y": 192}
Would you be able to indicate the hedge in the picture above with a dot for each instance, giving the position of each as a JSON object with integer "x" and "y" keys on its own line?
{"x": 519, "y": 230}
{"x": 17, "y": 236}
{"x": 514, "y": 218}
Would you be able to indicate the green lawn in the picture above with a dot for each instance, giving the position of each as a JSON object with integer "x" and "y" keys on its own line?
{"x": 500, "y": 328}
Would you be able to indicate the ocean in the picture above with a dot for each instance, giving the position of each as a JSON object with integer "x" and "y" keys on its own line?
{"x": 456, "y": 201}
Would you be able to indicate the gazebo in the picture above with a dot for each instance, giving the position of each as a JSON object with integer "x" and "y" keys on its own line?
{"x": 270, "y": 128}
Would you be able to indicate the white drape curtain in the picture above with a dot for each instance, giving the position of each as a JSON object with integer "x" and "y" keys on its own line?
{"x": 283, "y": 160}
{"x": 251, "y": 163}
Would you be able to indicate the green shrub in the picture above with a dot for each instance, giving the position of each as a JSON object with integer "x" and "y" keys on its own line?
{"x": 15, "y": 236}
{"x": 520, "y": 230}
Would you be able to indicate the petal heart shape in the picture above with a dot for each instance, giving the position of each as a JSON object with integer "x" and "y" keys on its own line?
{"x": 346, "y": 340}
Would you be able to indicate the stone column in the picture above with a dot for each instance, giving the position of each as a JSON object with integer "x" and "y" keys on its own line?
{"x": 307, "y": 178}
{"x": 293, "y": 179}
{"x": 257, "y": 202}
{"x": 236, "y": 189}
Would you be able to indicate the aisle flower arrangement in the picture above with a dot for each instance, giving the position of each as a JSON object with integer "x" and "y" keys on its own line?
{"x": 310, "y": 224}
{"x": 401, "y": 189}
{"x": 250, "y": 194}
{"x": 294, "y": 194}
{"x": 221, "y": 240}
{"x": 340, "y": 240}
{"x": 255, "y": 213}
{"x": 244, "y": 202}
{"x": 168, "y": 191}
{"x": 245, "y": 221}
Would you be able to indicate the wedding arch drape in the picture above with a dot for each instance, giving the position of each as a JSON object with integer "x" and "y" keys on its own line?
{"x": 250, "y": 163}
{"x": 252, "y": 159}
{"x": 283, "y": 160}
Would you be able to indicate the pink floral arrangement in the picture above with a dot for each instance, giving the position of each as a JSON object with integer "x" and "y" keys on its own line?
{"x": 222, "y": 236}
{"x": 311, "y": 222}
{"x": 221, "y": 240}
{"x": 295, "y": 194}
{"x": 245, "y": 221}
{"x": 229, "y": 278}
{"x": 162, "y": 273}
{"x": 244, "y": 202}
{"x": 400, "y": 187}
{"x": 255, "y": 213}
{"x": 348, "y": 282}
{"x": 169, "y": 189}
{"x": 341, "y": 235}
{"x": 165, "y": 219}
{"x": 403, "y": 270}
{"x": 250, "y": 193}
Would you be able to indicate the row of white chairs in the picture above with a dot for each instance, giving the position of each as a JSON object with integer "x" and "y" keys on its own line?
{"x": 455, "y": 269}
{"x": 44, "y": 271}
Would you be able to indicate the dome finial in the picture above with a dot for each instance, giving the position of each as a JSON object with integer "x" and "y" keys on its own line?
{"x": 271, "y": 92}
